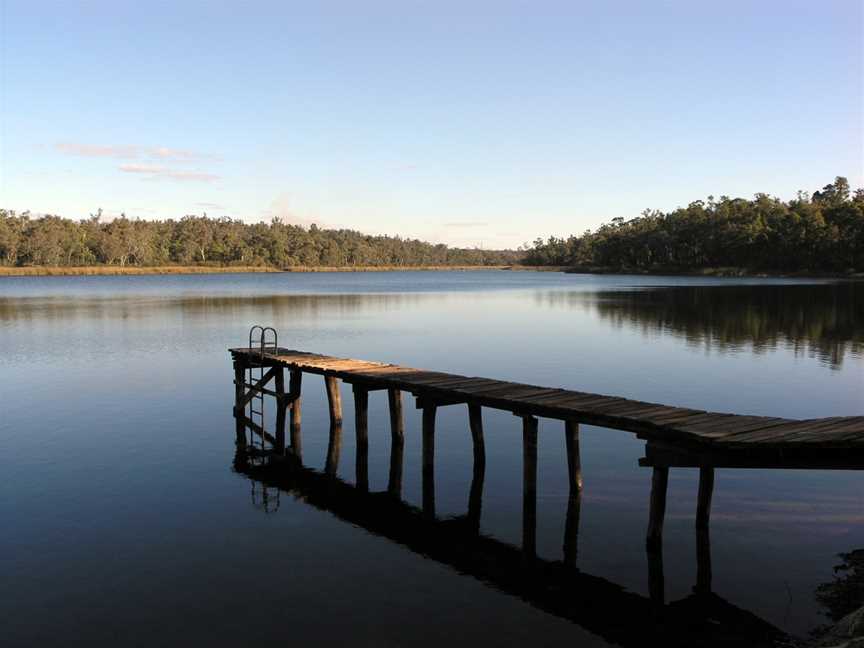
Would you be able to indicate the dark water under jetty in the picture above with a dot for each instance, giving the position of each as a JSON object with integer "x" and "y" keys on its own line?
{"x": 128, "y": 518}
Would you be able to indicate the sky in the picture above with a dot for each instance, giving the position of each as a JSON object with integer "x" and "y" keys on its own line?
{"x": 472, "y": 123}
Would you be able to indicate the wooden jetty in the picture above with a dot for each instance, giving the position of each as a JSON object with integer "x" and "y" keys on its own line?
{"x": 676, "y": 436}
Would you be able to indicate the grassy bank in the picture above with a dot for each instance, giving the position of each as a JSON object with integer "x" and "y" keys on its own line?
{"x": 44, "y": 271}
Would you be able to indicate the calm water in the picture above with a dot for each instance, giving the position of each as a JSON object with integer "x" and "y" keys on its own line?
{"x": 125, "y": 523}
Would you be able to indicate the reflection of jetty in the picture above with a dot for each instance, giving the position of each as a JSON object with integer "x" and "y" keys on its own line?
{"x": 756, "y": 441}
{"x": 556, "y": 587}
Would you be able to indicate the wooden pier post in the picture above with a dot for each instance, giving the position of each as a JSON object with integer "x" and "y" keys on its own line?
{"x": 574, "y": 461}
{"x": 361, "y": 428}
{"x": 334, "y": 449}
{"x": 659, "y": 483}
{"x": 529, "y": 486}
{"x": 397, "y": 427}
{"x": 475, "y": 497}
{"x": 282, "y": 404}
{"x": 239, "y": 411}
{"x": 295, "y": 386}
{"x": 475, "y": 422}
{"x": 703, "y": 502}
{"x": 334, "y": 398}
{"x": 429, "y": 412}
{"x": 397, "y": 443}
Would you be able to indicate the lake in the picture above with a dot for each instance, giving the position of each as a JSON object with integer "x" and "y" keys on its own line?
{"x": 126, "y": 522}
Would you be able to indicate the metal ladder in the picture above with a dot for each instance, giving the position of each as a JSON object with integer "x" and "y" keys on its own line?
{"x": 263, "y": 343}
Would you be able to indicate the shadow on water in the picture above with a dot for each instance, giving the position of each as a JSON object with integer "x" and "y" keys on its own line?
{"x": 557, "y": 587}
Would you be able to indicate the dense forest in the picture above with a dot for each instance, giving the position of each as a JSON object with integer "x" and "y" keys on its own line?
{"x": 199, "y": 240}
{"x": 822, "y": 232}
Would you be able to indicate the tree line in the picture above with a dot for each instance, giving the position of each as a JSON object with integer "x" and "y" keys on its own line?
{"x": 822, "y": 232}
{"x": 198, "y": 240}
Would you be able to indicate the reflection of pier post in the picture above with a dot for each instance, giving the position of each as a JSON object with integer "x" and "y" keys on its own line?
{"x": 529, "y": 486}
{"x": 656, "y": 580}
{"x": 703, "y": 561}
{"x": 294, "y": 387}
{"x": 361, "y": 428}
{"x": 429, "y": 459}
{"x": 475, "y": 498}
{"x": 659, "y": 483}
{"x": 571, "y": 529}
{"x": 397, "y": 442}
{"x": 334, "y": 449}
{"x": 574, "y": 501}
{"x": 703, "y": 539}
{"x": 334, "y": 399}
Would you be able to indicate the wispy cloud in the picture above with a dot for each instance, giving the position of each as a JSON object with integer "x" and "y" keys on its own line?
{"x": 131, "y": 152}
{"x": 154, "y": 172}
{"x": 210, "y": 205}
{"x": 467, "y": 224}
{"x": 282, "y": 208}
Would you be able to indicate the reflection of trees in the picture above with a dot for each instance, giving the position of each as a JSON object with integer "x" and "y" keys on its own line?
{"x": 825, "y": 320}
{"x": 845, "y": 593}
{"x": 143, "y": 306}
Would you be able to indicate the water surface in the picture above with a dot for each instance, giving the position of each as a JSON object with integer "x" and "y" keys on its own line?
{"x": 126, "y": 522}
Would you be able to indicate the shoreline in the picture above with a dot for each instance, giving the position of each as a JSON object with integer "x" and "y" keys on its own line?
{"x": 84, "y": 271}
{"x": 729, "y": 273}
{"x": 71, "y": 271}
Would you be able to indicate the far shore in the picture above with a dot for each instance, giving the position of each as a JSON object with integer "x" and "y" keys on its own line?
{"x": 67, "y": 271}
{"x": 47, "y": 271}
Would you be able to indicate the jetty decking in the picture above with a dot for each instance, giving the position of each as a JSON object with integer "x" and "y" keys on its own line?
{"x": 650, "y": 421}
{"x": 675, "y": 436}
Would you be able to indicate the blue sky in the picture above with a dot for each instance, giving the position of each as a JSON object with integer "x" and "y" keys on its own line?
{"x": 471, "y": 123}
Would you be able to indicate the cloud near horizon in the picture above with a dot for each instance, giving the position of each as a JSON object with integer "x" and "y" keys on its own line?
{"x": 154, "y": 172}
{"x": 131, "y": 152}
{"x": 467, "y": 224}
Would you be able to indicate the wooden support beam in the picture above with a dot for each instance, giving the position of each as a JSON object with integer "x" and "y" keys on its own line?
{"x": 659, "y": 483}
{"x": 256, "y": 386}
{"x": 334, "y": 399}
{"x": 475, "y": 497}
{"x": 529, "y": 486}
{"x": 425, "y": 401}
{"x": 334, "y": 449}
{"x": 703, "y": 501}
{"x": 239, "y": 387}
{"x": 281, "y": 402}
{"x": 294, "y": 388}
{"x": 429, "y": 460}
{"x": 361, "y": 428}
{"x": 475, "y": 422}
{"x": 397, "y": 427}
{"x": 574, "y": 461}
